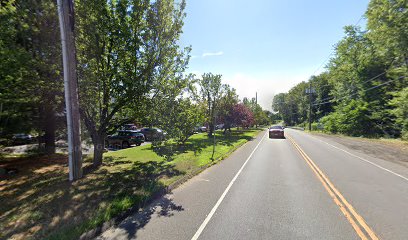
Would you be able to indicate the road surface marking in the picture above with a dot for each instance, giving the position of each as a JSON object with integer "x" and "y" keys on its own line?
{"x": 345, "y": 207}
{"x": 363, "y": 159}
{"x": 209, "y": 216}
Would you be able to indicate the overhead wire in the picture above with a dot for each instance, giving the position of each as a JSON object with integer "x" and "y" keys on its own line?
{"x": 332, "y": 51}
{"x": 364, "y": 90}
{"x": 373, "y": 78}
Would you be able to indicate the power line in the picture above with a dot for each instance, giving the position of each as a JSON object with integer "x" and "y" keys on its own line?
{"x": 331, "y": 53}
{"x": 364, "y": 90}
{"x": 373, "y": 78}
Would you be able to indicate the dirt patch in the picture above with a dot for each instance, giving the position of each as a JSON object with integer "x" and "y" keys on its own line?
{"x": 391, "y": 150}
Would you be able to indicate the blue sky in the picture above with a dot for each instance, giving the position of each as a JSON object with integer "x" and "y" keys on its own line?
{"x": 265, "y": 46}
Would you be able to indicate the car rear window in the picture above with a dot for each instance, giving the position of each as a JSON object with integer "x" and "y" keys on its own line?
{"x": 276, "y": 127}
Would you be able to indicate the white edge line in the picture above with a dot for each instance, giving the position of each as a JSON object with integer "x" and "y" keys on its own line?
{"x": 209, "y": 216}
{"x": 363, "y": 159}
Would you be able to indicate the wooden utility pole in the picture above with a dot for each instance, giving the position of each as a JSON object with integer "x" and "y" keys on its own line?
{"x": 256, "y": 107}
{"x": 66, "y": 19}
{"x": 310, "y": 91}
{"x": 310, "y": 107}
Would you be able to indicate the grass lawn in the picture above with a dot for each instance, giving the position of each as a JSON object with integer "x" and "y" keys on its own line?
{"x": 40, "y": 203}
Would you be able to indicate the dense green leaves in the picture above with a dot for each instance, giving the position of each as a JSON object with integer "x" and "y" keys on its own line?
{"x": 351, "y": 119}
{"x": 211, "y": 91}
{"x": 354, "y": 95}
{"x": 400, "y": 110}
{"x": 31, "y": 96}
{"x": 127, "y": 55}
{"x": 182, "y": 119}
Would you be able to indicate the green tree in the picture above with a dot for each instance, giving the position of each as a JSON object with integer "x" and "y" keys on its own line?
{"x": 282, "y": 106}
{"x": 211, "y": 90}
{"x": 227, "y": 103}
{"x": 400, "y": 103}
{"x": 183, "y": 118}
{"x": 321, "y": 99}
{"x": 124, "y": 48}
{"x": 387, "y": 24}
{"x": 351, "y": 119}
{"x": 31, "y": 81}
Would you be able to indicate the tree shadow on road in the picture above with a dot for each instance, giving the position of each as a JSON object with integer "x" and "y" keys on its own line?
{"x": 162, "y": 207}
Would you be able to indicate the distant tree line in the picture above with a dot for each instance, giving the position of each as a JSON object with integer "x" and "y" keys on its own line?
{"x": 364, "y": 88}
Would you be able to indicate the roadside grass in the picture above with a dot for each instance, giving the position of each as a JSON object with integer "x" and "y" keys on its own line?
{"x": 40, "y": 203}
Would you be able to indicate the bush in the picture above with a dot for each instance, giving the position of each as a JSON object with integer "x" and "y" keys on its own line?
{"x": 350, "y": 119}
{"x": 317, "y": 126}
{"x": 400, "y": 102}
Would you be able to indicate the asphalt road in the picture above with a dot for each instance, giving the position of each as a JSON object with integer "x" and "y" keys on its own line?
{"x": 310, "y": 188}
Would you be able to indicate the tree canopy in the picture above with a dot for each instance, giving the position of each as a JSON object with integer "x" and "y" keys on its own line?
{"x": 367, "y": 75}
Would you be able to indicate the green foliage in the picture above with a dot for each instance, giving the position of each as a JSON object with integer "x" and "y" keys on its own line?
{"x": 368, "y": 67}
{"x": 31, "y": 92}
{"x": 225, "y": 109}
{"x": 350, "y": 119}
{"x": 260, "y": 117}
{"x": 128, "y": 54}
{"x": 182, "y": 119}
{"x": 400, "y": 102}
{"x": 387, "y": 22}
{"x": 211, "y": 91}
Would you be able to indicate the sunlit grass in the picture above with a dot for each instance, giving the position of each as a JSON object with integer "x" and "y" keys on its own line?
{"x": 40, "y": 203}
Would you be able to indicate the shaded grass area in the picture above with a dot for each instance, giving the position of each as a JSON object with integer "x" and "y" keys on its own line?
{"x": 196, "y": 153}
{"x": 39, "y": 202}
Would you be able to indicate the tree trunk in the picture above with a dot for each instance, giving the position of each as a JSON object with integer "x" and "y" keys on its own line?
{"x": 98, "y": 141}
{"x": 211, "y": 128}
{"x": 49, "y": 129}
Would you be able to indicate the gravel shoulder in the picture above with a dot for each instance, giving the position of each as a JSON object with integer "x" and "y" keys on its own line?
{"x": 387, "y": 149}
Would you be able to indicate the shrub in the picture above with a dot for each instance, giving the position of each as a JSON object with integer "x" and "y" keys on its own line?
{"x": 350, "y": 119}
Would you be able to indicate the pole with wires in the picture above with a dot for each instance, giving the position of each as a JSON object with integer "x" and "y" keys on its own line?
{"x": 310, "y": 106}
{"x": 66, "y": 19}
{"x": 310, "y": 91}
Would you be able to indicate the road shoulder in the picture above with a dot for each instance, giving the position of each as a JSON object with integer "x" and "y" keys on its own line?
{"x": 388, "y": 150}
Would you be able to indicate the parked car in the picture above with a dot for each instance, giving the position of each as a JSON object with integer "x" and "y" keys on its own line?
{"x": 22, "y": 138}
{"x": 129, "y": 127}
{"x": 276, "y": 132}
{"x": 153, "y": 134}
{"x": 125, "y": 138}
{"x": 219, "y": 126}
{"x": 199, "y": 129}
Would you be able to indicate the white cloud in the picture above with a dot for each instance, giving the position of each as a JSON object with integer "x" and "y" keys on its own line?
{"x": 266, "y": 85}
{"x": 209, "y": 54}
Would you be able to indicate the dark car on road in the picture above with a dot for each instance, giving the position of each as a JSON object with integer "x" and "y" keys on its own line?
{"x": 125, "y": 139}
{"x": 153, "y": 134}
{"x": 276, "y": 132}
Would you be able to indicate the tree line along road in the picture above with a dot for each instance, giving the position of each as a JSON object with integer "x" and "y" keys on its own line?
{"x": 301, "y": 187}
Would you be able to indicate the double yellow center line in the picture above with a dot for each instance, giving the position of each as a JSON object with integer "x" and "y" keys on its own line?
{"x": 356, "y": 221}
